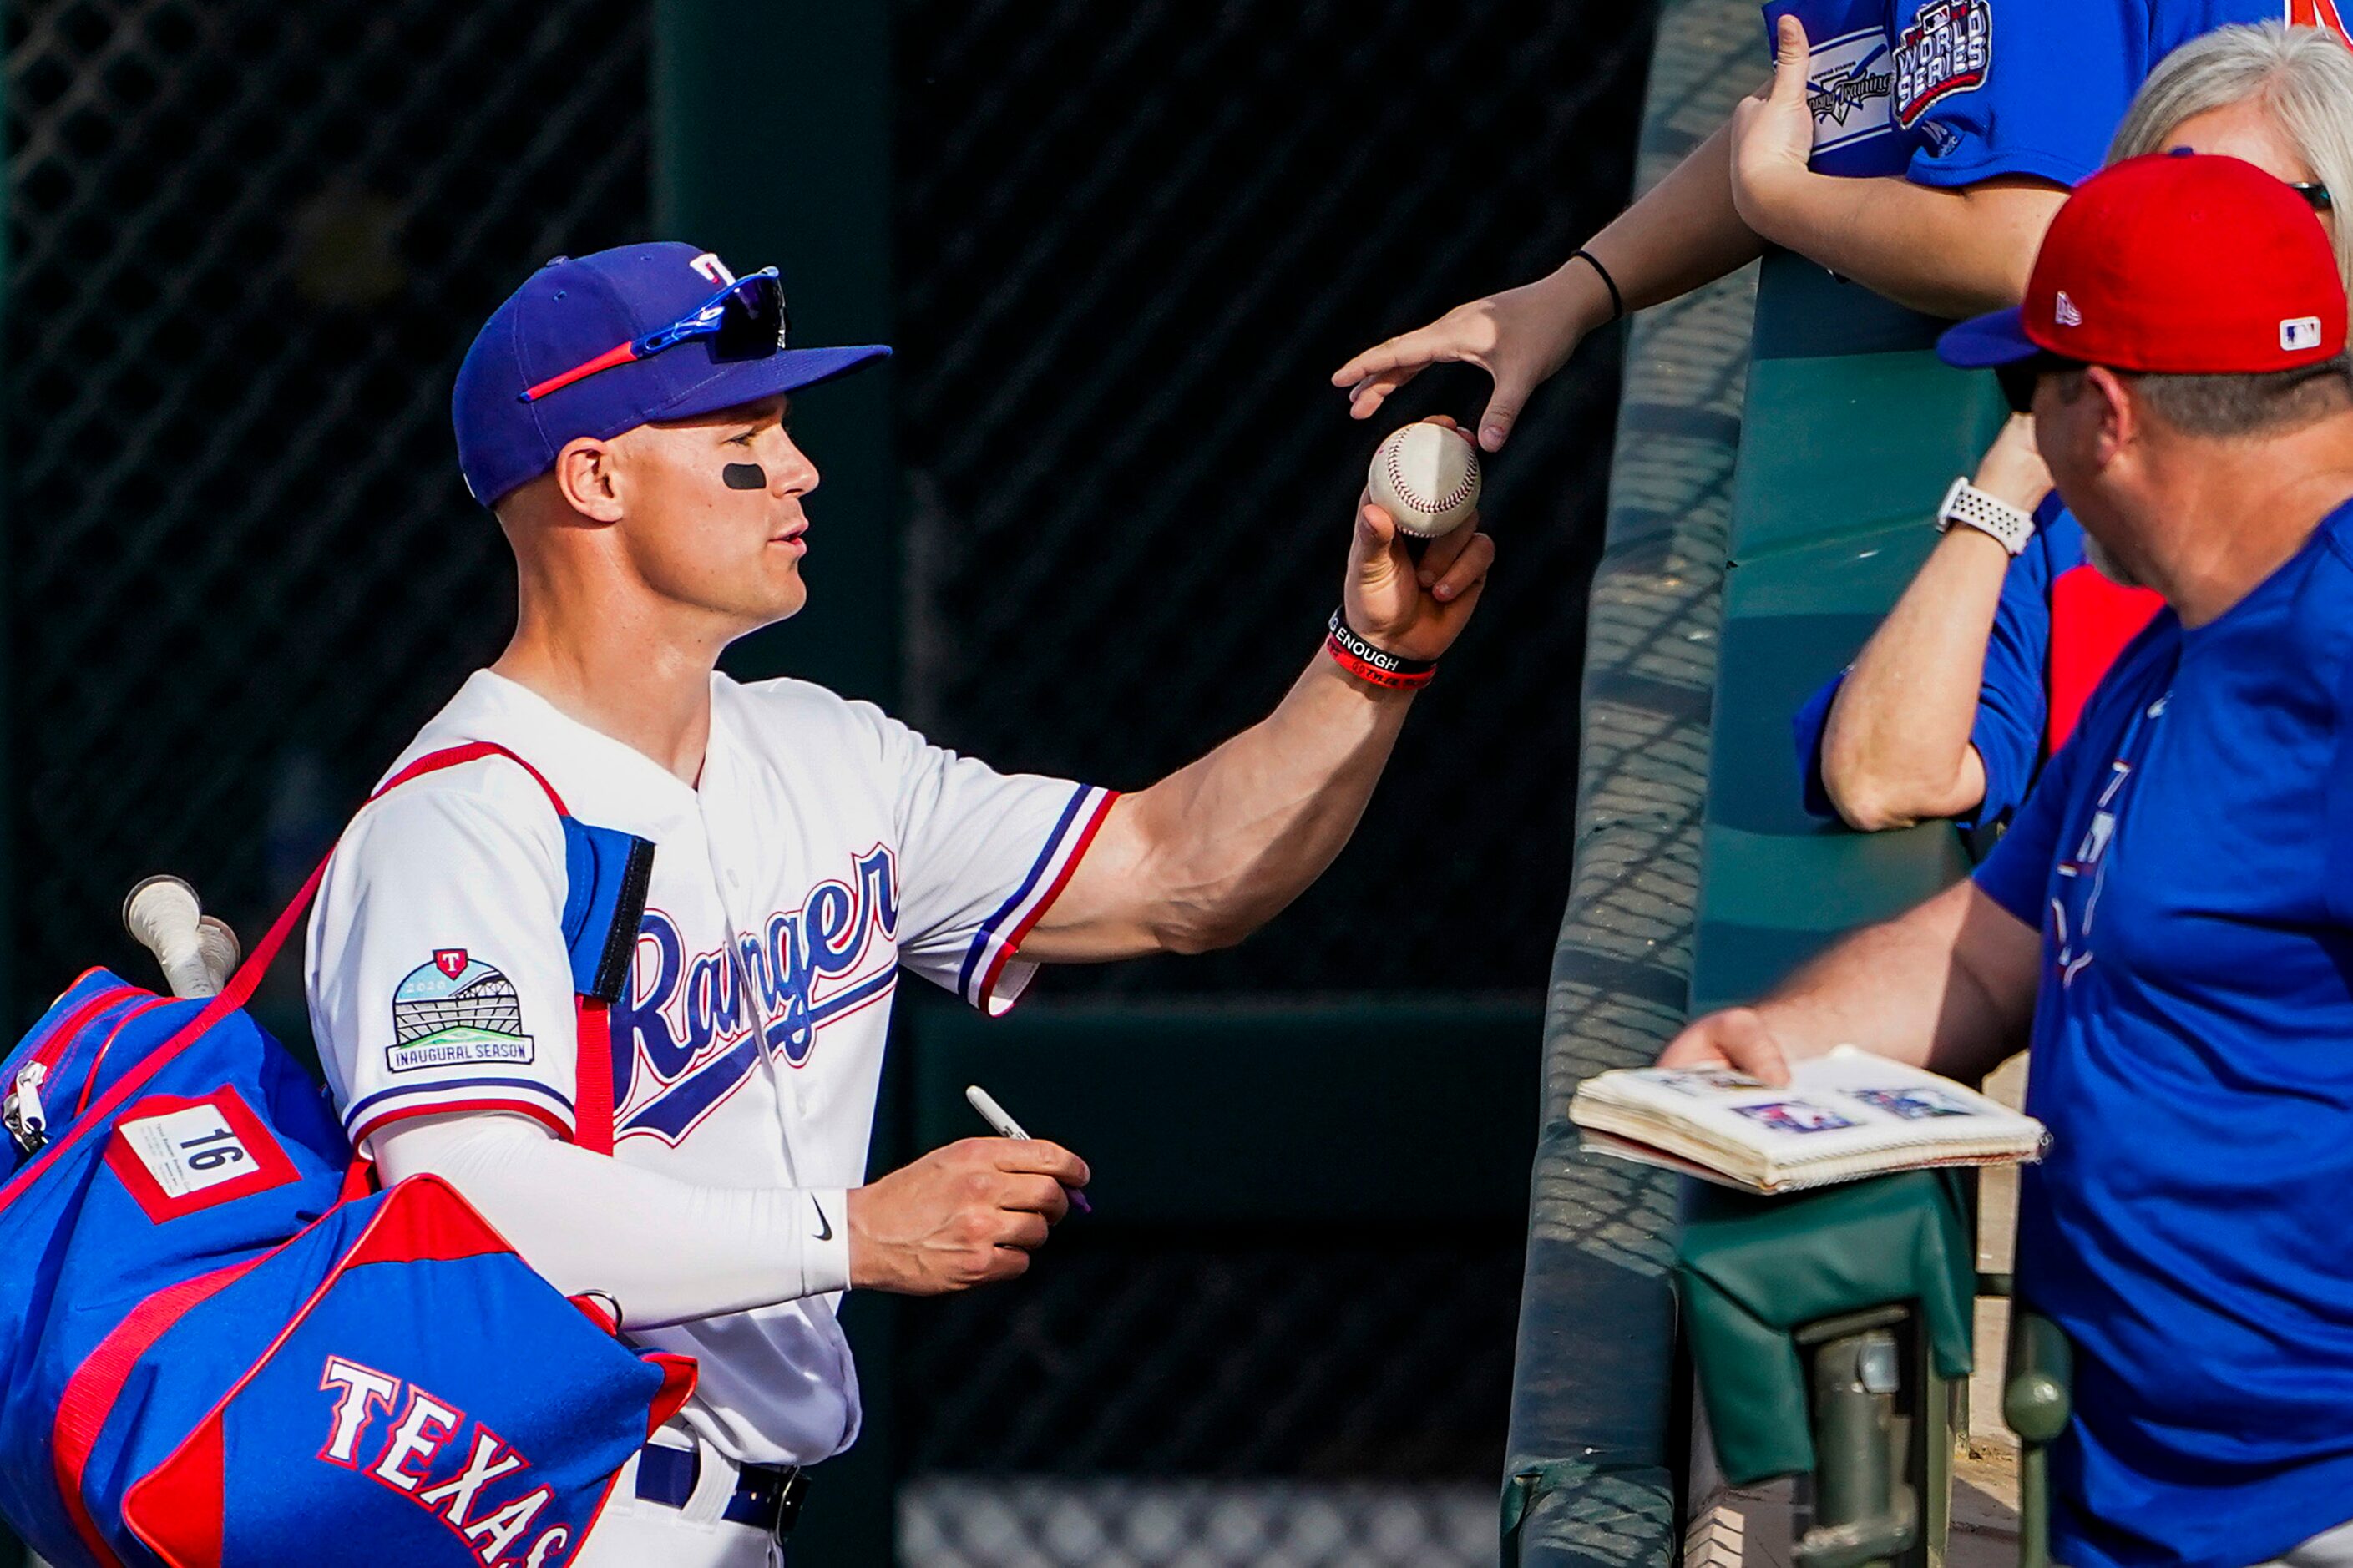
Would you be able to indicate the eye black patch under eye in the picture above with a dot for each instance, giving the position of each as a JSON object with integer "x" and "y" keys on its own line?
{"x": 745, "y": 477}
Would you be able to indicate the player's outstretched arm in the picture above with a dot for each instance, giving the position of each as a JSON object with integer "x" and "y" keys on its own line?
{"x": 1947, "y": 986}
{"x": 1950, "y": 253}
{"x": 1682, "y": 233}
{"x": 1214, "y": 851}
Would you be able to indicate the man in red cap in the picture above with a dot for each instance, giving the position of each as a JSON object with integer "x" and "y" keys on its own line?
{"x": 2171, "y": 915}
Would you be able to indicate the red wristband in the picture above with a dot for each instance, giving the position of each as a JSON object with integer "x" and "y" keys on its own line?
{"x": 1371, "y": 665}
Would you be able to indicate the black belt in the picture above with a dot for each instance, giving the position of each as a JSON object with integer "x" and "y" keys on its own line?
{"x": 768, "y": 1497}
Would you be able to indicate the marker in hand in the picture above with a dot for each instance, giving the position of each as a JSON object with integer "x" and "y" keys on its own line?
{"x": 1004, "y": 1126}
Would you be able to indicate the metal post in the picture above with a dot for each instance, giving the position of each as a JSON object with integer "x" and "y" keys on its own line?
{"x": 771, "y": 143}
{"x": 771, "y": 137}
{"x": 1865, "y": 1511}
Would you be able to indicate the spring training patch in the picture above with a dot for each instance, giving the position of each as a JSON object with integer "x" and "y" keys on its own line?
{"x": 1849, "y": 83}
{"x": 453, "y": 1011}
{"x": 1948, "y": 48}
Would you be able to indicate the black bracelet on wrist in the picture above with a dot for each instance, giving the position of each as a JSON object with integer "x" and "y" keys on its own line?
{"x": 1377, "y": 666}
{"x": 1617, "y": 300}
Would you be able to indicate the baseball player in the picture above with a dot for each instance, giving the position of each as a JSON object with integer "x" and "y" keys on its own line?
{"x": 1919, "y": 147}
{"x": 625, "y": 417}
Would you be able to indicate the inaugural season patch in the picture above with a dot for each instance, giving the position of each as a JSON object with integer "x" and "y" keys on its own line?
{"x": 454, "y": 1010}
{"x": 1948, "y": 48}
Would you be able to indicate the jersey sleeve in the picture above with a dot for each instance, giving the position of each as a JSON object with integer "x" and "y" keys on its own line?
{"x": 2013, "y": 700}
{"x": 438, "y": 976}
{"x": 1807, "y": 727}
{"x": 982, "y": 856}
{"x": 2014, "y": 86}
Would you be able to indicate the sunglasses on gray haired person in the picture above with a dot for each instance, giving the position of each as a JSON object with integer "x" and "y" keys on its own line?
{"x": 2315, "y": 194}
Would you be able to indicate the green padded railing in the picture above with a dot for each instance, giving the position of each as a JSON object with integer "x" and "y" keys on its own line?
{"x": 1851, "y": 431}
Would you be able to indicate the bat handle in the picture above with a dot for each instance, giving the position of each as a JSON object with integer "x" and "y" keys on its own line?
{"x": 162, "y": 914}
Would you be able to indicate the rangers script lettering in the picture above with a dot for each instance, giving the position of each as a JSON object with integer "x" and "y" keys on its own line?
{"x": 682, "y": 1039}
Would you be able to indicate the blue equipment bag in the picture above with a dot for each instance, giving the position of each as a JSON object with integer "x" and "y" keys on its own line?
{"x": 224, "y": 1349}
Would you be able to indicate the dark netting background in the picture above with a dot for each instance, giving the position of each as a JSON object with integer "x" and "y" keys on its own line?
{"x": 248, "y": 242}
{"x": 1135, "y": 239}
{"x": 1372, "y": 1356}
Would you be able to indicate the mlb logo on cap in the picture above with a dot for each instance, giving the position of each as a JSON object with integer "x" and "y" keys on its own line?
{"x": 2173, "y": 264}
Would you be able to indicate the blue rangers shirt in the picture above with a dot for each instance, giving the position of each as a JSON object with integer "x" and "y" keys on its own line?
{"x": 2189, "y": 860}
{"x": 1954, "y": 92}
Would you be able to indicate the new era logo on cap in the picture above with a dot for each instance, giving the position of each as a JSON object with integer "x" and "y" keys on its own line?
{"x": 2301, "y": 335}
{"x": 2065, "y": 312}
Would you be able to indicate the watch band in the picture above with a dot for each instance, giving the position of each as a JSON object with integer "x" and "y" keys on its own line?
{"x": 1966, "y": 504}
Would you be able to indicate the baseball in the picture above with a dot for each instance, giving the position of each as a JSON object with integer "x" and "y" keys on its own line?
{"x": 1427, "y": 477}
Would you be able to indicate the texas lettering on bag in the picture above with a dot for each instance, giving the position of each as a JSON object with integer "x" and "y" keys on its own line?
{"x": 402, "y": 1451}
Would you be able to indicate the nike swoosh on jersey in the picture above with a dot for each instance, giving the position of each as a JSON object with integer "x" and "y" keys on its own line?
{"x": 825, "y": 1232}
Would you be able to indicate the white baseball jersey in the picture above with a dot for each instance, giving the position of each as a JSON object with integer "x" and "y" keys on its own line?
{"x": 825, "y": 846}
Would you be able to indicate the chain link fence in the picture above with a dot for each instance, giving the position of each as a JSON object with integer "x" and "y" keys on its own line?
{"x": 1135, "y": 240}
{"x": 249, "y": 242}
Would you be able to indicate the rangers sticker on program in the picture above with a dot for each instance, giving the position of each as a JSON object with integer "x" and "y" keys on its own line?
{"x": 1948, "y": 49}
{"x": 454, "y": 1010}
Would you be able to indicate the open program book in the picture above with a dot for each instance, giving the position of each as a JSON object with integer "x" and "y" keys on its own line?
{"x": 1844, "y": 1115}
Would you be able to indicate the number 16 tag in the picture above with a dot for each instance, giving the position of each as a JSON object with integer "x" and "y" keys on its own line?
{"x": 177, "y": 1156}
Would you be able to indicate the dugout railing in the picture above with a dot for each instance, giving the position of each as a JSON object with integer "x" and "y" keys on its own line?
{"x": 1834, "y": 1331}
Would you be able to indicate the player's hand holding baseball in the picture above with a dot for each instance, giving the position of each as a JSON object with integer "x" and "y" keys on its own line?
{"x": 1413, "y": 609}
{"x": 960, "y": 1216}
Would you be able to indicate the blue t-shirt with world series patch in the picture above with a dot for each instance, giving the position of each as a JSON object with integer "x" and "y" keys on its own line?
{"x": 1954, "y": 92}
{"x": 2188, "y": 858}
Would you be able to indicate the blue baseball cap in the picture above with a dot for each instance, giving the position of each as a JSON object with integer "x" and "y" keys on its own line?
{"x": 630, "y": 306}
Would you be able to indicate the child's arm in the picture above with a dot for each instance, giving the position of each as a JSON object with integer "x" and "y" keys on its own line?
{"x": 1683, "y": 232}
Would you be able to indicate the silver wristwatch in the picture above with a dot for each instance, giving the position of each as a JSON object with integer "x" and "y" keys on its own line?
{"x": 1972, "y": 508}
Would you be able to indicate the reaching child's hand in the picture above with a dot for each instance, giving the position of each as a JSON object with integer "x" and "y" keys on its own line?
{"x": 1518, "y": 337}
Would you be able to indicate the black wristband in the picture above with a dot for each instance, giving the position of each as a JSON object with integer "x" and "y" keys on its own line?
{"x": 1382, "y": 668}
{"x": 1617, "y": 300}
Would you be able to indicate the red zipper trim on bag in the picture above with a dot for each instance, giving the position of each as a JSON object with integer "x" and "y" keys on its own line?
{"x": 89, "y": 1079}
{"x": 60, "y": 1043}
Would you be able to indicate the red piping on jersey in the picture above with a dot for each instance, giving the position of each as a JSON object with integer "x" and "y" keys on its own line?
{"x": 378, "y": 1123}
{"x": 1014, "y": 938}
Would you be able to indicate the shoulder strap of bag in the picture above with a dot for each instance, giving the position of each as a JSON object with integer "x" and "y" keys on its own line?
{"x": 596, "y": 1134}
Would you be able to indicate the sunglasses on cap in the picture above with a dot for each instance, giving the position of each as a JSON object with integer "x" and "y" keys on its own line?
{"x": 2020, "y": 377}
{"x": 746, "y": 320}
